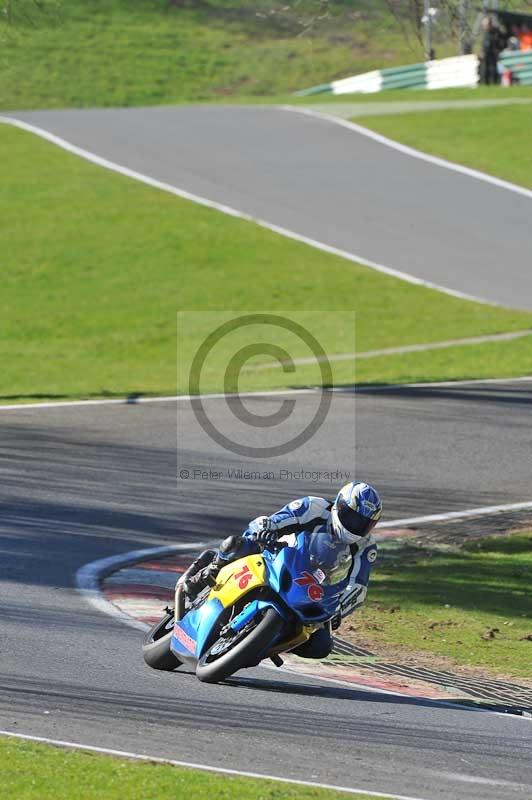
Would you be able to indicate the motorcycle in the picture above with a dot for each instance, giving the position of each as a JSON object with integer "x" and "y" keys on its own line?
{"x": 262, "y": 605}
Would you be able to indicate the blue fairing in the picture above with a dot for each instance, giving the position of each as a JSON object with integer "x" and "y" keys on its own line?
{"x": 298, "y": 580}
{"x": 308, "y": 580}
{"x": 253, "y": 608}
{"x": 195, "y": 628}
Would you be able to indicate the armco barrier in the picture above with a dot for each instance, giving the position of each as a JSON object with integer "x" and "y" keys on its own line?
{"x": 366, "y": 83}
{"x": 443, "y": 73}
{"x": 413, "y": 76}
{"x": 520, "y": 63}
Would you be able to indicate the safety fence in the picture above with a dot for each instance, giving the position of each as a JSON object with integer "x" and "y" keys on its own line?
{"x": 445, "y": 73}
{"x": 519, "y": 63}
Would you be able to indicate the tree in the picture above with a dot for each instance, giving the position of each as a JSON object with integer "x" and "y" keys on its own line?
{"x": 408, "y": 14}
{"x": 447, "y": 20}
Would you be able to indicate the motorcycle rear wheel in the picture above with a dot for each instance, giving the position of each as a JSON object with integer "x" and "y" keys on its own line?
{"x": 156, "y": 648}
{"x": 212, "y": 669}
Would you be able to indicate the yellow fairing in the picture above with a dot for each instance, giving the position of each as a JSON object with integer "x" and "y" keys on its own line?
{"x": 238, "y": 578}
{"x": 302, "y": 636}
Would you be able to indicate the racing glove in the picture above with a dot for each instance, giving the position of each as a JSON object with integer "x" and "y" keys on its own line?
{"x": 349, "y": 603}
{"x": 352, "y": 599}
{"x": 264, "y": 531}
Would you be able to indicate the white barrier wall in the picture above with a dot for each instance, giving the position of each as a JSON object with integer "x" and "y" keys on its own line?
{"x": 444, "y": 73}
{"x": 366, "y": 83}
{"x": 448, "y": 73}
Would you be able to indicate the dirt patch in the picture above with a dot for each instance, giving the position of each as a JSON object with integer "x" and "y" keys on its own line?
{"x": 485, "y": 601}
{"x": 360, "y": 636}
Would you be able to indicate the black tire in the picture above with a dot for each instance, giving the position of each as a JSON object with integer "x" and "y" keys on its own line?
{"x": 243, "y": 654}
{"x": 156, "y": 648}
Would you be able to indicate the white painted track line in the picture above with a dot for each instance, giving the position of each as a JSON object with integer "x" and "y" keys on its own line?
{"x": 439, "y": 384}
{"x": 392, "y": 351}
{"x": 89, "y": 577}
{"x": 133, "y": 400}
{"x": 233, "y": 212}
{"x": 412, "y": 152}
{"x": 176, "y": 398}
{"x": 450, "y": 515}
{"x": 203, "y": 767}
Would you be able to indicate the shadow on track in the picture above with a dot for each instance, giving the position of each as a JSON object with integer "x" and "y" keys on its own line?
{"x": 179, "y": 702}
{"x": 506, "y": 394}
{"x": 339, "y": 693}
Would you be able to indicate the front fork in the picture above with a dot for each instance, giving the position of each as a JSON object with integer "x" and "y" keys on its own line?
{"x": 256, "y": 606}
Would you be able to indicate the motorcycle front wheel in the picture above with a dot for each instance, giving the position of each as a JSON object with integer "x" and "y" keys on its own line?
{"x": 229, "y": 654}
{"x": 156, "y": 648}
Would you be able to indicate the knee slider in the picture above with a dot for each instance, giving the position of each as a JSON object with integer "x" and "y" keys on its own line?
{"x": 324, "y": 652}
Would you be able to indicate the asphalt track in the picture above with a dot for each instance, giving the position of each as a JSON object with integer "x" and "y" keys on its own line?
{"x": 323, "y": 181}
{"x": 79, "y": 484}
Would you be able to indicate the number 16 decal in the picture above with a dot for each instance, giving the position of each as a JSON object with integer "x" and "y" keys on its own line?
{"x": 243, "y": 577}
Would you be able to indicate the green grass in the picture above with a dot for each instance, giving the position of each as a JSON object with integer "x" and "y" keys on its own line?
{"x": 89, "y": 299}
{"x": 496, "y": 359}
{"x": 494, "y": 140}
{"x": 446, "y": 602}
{"x": 146, "y": 52}
{"x": 43, "y": 772}
{"x": 413, "y": 95}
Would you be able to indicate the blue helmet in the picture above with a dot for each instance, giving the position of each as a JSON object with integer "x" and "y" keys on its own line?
{"x": 356, "y": 510}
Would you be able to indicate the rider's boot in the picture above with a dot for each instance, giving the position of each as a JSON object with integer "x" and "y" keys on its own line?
{"x": 195, "y": 569}
{"x": 205, "y": 576}
{"x": 196, "y": 583}
{"x": 203, "y": 560}
{"x": 318, "y": 646}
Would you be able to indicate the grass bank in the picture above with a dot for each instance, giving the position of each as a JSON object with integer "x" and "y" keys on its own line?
{"x": 423, "y": 95}
{"x": 495, "y": 140}
{"x": 89, "y": 300}
{"x": 146, "y": 52}
{"x": 110, "y": 261}
{"x": 471, "y": 605}
{"x": 43, "y": 772}
{"x": 70, "y": 53}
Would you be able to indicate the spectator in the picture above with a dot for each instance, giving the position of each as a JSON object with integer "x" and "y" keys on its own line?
{"x": 513, "y": 41}
{"x": 492, "y": 44}
{"x": 525, "y": 37}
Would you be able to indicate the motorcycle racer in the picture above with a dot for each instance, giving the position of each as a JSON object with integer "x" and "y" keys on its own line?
{"x": 348, "y": 519}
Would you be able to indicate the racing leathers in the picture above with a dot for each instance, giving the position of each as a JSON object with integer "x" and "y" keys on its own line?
{"x": 305, "y": 514}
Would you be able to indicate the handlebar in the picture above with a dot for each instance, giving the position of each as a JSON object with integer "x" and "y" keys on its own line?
{"x": 274, "y": 546}
{"x": 278, "y": 545}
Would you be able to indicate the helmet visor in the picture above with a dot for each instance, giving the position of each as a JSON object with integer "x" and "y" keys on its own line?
{"x": 352, "y": 520}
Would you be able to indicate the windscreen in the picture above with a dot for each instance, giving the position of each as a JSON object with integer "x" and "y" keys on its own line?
{"x": 330, "y": 558}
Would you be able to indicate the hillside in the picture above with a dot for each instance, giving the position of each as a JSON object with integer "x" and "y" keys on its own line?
{"x": 145, "y": 52}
